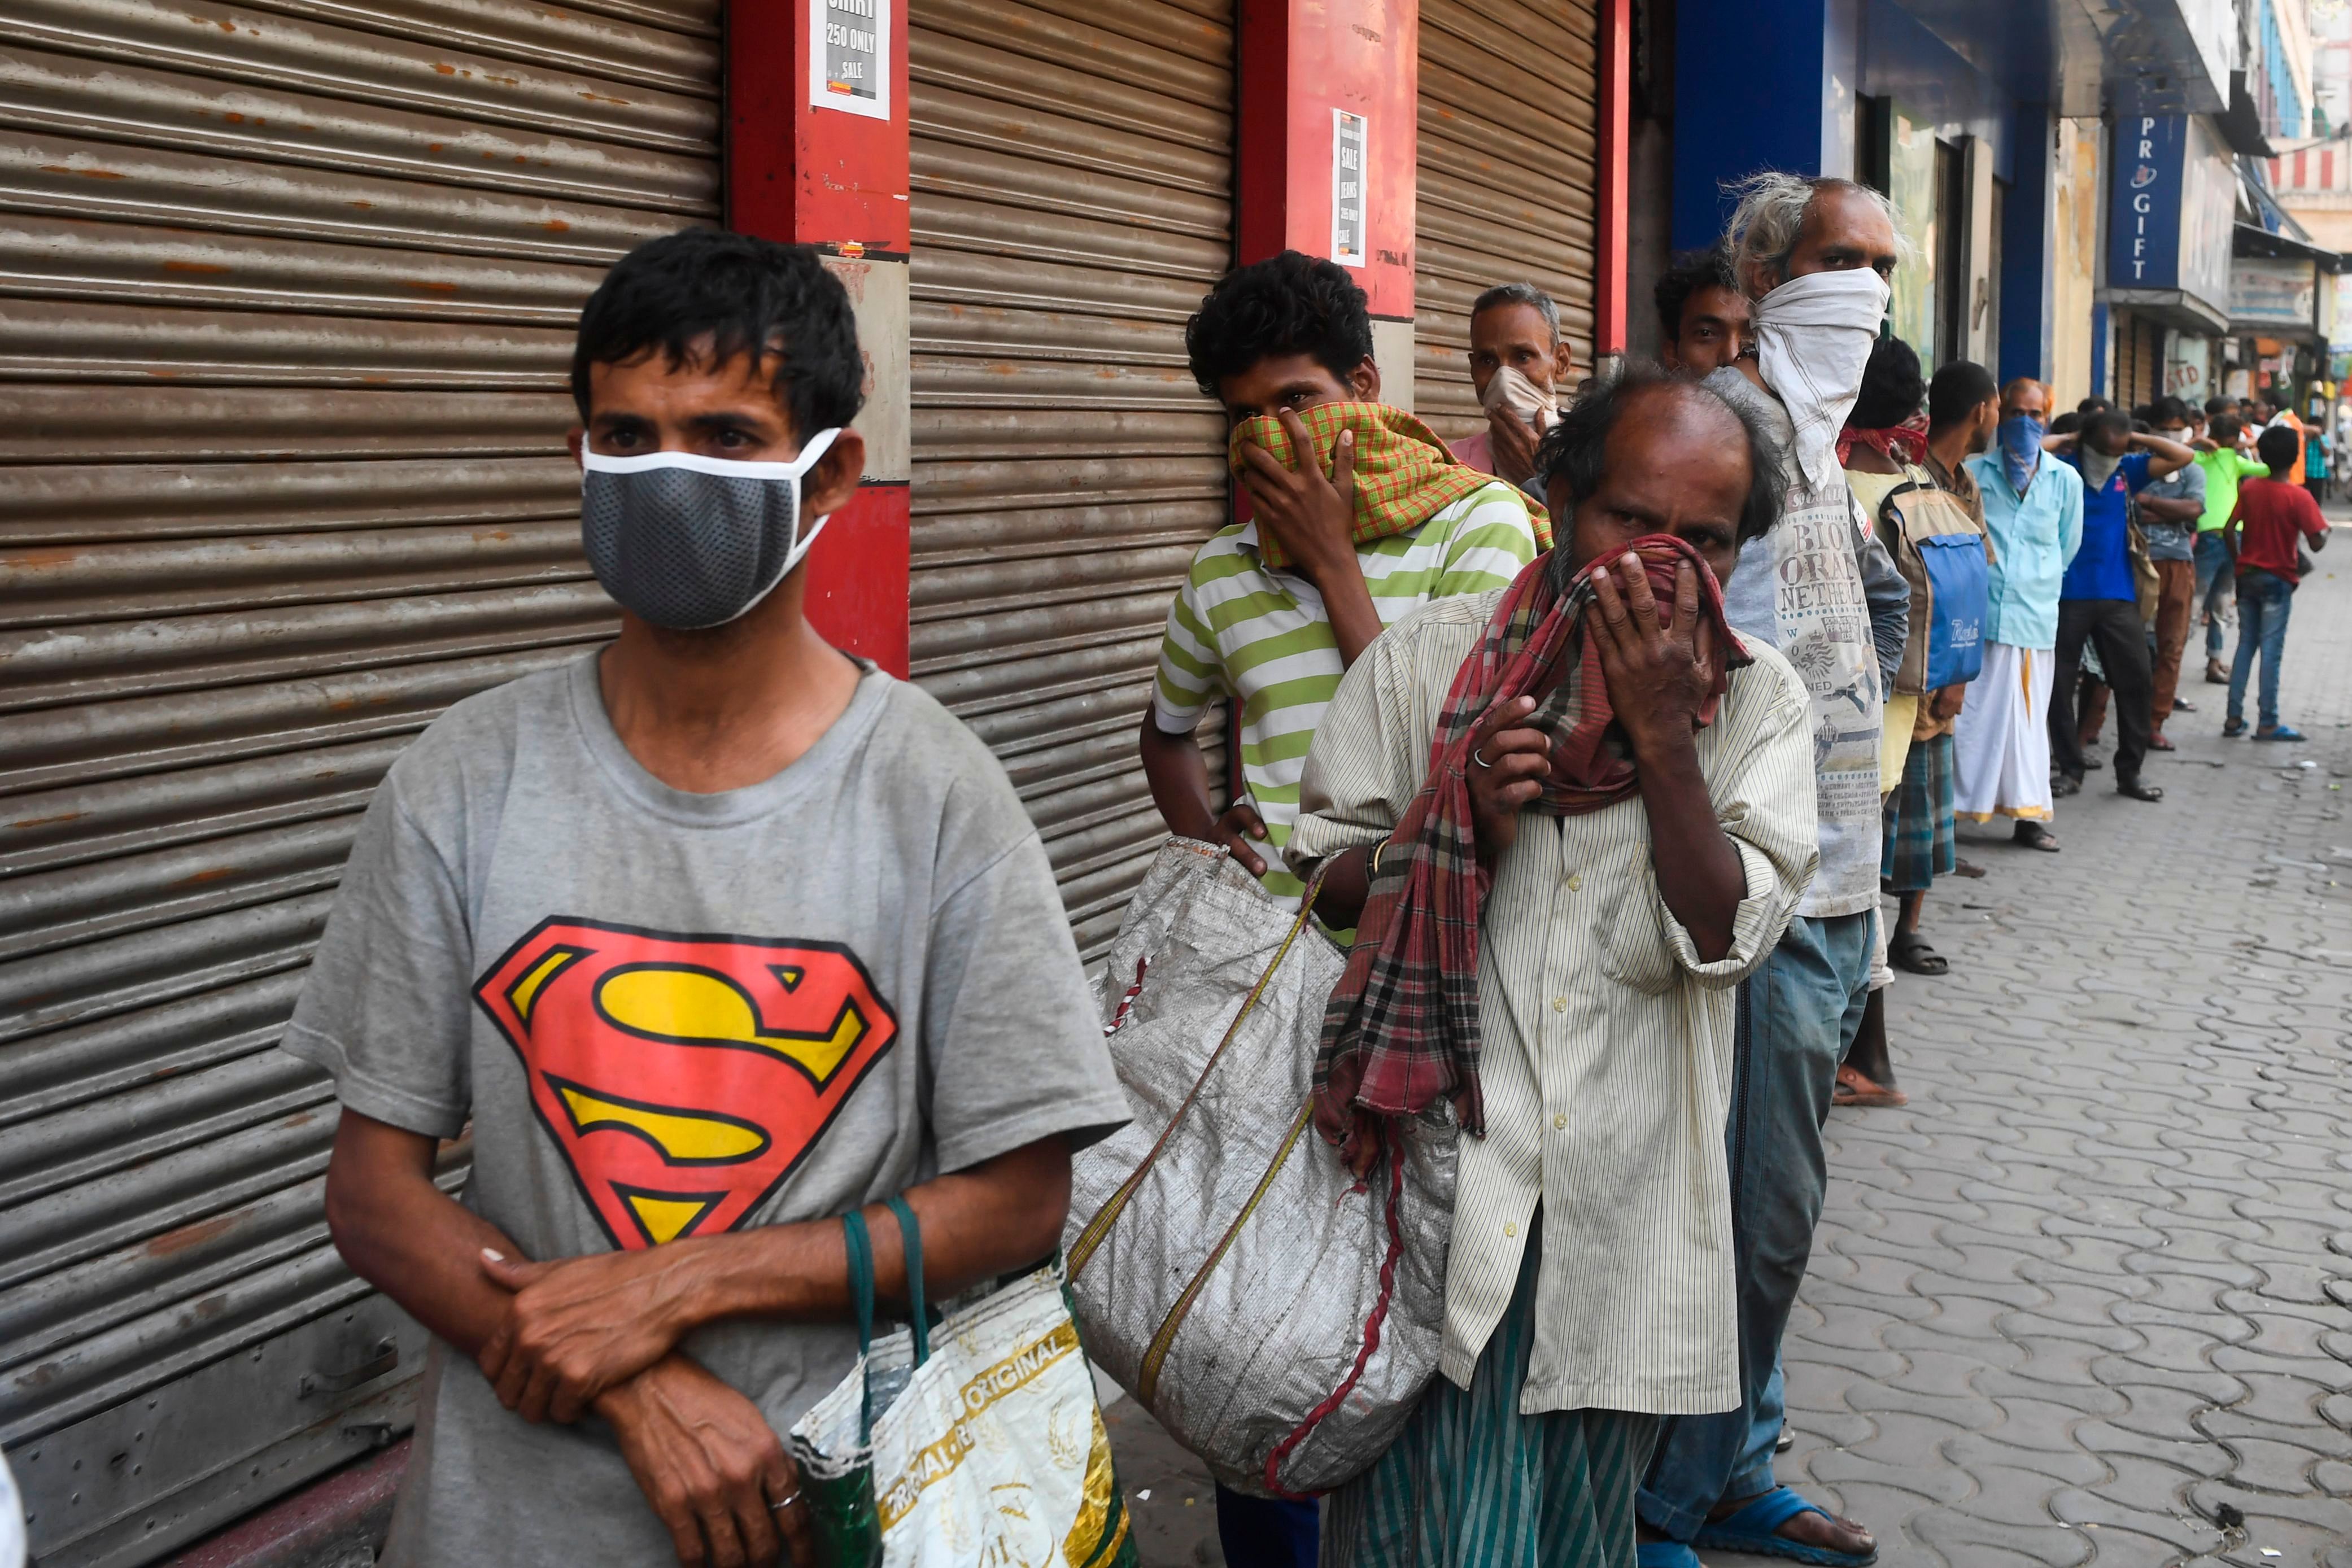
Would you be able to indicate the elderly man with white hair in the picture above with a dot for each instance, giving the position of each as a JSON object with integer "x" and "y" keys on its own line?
{"x": 1815, "y": 256}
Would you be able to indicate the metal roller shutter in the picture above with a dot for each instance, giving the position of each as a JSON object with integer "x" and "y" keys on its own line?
{"x": 286, "y": 296}
{"x": 1507, "y": 127}
{"x": 1073, "y": 200}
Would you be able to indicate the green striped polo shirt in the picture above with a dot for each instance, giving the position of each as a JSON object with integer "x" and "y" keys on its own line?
{"x": 1262, "y": 638}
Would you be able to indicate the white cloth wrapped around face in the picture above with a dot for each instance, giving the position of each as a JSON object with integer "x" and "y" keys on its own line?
{"x": 1813, "y": 336}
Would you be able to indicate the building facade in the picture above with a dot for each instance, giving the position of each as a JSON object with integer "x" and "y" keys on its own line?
{"x": 2067, "y": 191}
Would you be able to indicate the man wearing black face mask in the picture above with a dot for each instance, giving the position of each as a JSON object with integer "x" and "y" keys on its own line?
{"x": 712, "y": 935}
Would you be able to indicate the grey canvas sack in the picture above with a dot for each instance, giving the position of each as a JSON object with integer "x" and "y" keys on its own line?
{"x": 1279, "y": 1318}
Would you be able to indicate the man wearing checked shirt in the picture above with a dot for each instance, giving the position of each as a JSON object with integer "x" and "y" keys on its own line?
{"x": 1274, "y": 609}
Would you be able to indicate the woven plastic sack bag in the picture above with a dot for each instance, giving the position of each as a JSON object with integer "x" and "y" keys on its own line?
{"x": 1278, "y": 1317}
{"x": 972, "y": 1444}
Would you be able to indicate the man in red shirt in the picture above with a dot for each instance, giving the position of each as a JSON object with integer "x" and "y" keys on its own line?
{"x": 2273, "y": 516}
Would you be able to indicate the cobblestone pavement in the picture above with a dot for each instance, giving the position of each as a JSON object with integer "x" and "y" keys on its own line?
{"x": 2089, "y": 1298}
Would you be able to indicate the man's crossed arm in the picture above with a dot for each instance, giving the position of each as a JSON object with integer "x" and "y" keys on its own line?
{"x": 600, "y": 1334}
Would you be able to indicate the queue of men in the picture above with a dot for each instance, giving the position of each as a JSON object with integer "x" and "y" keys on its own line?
{"x": 1593, "y": 1410}
{"x": 1607, "y": 698}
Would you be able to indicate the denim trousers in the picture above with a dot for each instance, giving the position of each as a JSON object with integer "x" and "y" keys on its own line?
{"x": 1798, "y": 1017}
{"x": 2263, "y": 602}
{"x": 2213, "y": 591}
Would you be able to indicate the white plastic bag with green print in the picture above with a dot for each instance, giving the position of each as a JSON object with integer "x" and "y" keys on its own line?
{"x": 974, "y": 1443}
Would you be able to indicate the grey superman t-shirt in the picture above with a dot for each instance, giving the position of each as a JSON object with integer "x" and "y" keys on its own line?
{"x": 671, "y": 1015}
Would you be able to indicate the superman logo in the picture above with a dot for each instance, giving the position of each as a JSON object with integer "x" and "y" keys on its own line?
{"x": 684, "y": 1078}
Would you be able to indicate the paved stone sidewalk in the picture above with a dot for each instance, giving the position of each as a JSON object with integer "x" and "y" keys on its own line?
{"x": 2089, "y": 1298}
{"x": 2086, "y": 1300}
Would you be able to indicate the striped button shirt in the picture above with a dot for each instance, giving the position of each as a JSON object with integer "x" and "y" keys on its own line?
{"x": 1606, "y": 1039}
{"x": 1262, "y": 637}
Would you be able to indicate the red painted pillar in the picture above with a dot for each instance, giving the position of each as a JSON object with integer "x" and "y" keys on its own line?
{"x": 817, "y": 154}
{"x": 1616, "y": 68}
{"x": 1305, "y": 64}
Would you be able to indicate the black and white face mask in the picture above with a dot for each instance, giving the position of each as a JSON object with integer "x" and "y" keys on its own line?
{"x": 687, "y": 541}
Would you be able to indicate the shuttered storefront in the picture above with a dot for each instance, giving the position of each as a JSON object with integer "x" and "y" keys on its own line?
{"x": 286, "y": 296}
{"x": 1073, "y": 200}
{"x": 1507, "y": 125}
{"x": 2140, "y": 359}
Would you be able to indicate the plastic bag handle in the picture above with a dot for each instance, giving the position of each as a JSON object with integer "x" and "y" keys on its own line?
{"x": 861, "y": 1293}
{"x": 911, "y": 1242}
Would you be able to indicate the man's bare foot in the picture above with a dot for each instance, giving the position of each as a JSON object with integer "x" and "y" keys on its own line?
{"x": 1811, "y": 1526}
{"x": 1830, "y": 1533}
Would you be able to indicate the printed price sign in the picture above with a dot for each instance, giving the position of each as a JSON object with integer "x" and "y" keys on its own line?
{"x": 1348, "y": 142}
{"x": 849, "y": 57}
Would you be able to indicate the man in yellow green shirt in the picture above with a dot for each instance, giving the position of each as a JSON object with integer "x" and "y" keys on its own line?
{"x": 2225, "y": 462}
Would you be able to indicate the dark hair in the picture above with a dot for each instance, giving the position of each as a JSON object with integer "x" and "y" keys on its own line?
{"x": 1693, "y": 270}
{"x": 1892, "y": 389}
{"x": 2066, "y": 424}
{"x": 2165, "y": 409}
{"x": 2143, "y": 413}
{"x": 710, "y": 291}
{"x": 1958, "y": 390}
{"x": 1287, "y": 304}
{"x": 2217, "y": 407}
{"x": 1525, "y": 293}
{"x": 2105, "y": 419}
{"x": 2225, "y": 429}
{"x": 2278, "y": 446}
{"x": 1575, "y": 448}
{"x": 2092, "y": 404}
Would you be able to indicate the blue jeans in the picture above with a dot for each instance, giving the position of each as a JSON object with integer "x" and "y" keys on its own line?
{"x": 2263, "y": 602}
{"x": 2213, "y": 583}
{"x": 1266, "y": 1532}
{"x": 1798, "y": 1015}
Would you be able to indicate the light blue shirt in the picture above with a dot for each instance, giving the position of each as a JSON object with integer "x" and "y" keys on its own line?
{"x": 2035, "y": 534}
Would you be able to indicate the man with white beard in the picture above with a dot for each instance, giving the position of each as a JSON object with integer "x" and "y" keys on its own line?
{"x": 1815, "y": 256}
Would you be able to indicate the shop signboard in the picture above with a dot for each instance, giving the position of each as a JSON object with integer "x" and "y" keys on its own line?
{"x": 2171, "y": 206}
{"x": 2274, "y": 291}
{"x": 1350, "y": 138}
{"x": 849, "y": 62}
{"x": 2188, "y": 367}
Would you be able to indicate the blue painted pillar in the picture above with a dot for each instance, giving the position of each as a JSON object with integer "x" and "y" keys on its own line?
{"x": 1747, "y": 97}
{"x": 2026, "y": 238}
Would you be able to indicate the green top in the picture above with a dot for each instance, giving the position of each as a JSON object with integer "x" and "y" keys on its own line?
{"x": 2223, "y": 469}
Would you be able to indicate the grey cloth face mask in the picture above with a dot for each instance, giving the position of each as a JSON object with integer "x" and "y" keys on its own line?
{"x": 687, "y": 541}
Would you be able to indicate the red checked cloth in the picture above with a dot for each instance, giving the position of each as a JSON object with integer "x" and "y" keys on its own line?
{"x": 1400, "y": 1031}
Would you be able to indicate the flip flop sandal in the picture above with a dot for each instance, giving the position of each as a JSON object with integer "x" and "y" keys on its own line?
{"x": 1664, "y": 1554}
{"x": 1855, "y": 1089}
{"x": 1751, "y": 1530}
{"x": 1909, "y": 950}
{"x": 2234, "y": 728}
{"x": 2157, "y": 743}
{"x": 2284, "y": 732}
{"x": 1966, "y": 868}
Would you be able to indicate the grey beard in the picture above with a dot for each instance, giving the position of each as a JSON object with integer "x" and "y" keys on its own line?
{"x": 1560, "y": 569}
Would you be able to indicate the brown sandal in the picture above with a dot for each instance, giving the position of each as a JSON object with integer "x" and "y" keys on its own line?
{"x": 1853, "y": 1089}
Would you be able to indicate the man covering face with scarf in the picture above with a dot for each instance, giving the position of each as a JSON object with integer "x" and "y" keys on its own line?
{"x": 1815, "y": 257}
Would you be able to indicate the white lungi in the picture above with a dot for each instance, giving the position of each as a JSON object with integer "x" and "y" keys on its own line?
{"x": 2001, "y": 748}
